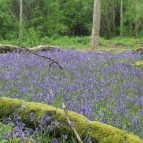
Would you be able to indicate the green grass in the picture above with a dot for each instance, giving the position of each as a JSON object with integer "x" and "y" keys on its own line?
{"x": 7, "y": 128}
{"x": 114, "y": 44}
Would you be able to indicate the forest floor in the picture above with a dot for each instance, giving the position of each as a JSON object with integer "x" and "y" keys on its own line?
{"x": 116, "y": 44}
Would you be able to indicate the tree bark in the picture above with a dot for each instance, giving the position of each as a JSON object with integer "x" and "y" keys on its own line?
{"x": 10, "y": 48}
{"x": 95, "y": 25}
{"x": 20, "y": 23}
{"x": 121, "y": 18}
{"x": 137, "y": 23}
{"x": 113, "y": 18}
{"x": 96, "y": 130}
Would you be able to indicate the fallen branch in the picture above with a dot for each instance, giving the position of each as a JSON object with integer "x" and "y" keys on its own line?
{"x": 10, "y": 48}
{"x": 4, "y": 48}
{"x": 53, "y": 61}
{"x": 7, "y": 48}
{"x": 69, "y": 122}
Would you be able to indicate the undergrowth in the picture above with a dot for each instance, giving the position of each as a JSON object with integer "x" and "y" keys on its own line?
{"x": 79, "y": 42}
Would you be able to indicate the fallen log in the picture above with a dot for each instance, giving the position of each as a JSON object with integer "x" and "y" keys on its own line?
{"x": 97, "y": 131}
{"x": 7, "y": 48}
{"x": 44, "y": 47}
{"x": 10, "y": 48}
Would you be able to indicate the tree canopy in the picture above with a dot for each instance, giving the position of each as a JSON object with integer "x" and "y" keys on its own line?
{"x": 70, "y": 18}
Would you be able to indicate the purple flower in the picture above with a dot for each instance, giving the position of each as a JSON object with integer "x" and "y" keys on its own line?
{"x": 37, "y": 131}
{"x": 71, "y": 123}
{"x": 28, "y": 132}
{"x": 100, "y": 86}
{"x": 65, "y": 137}
{"x": 45, "y": 119}
{"x": 16, "y": 118}
{"x": 36, "y": 141}
{"x": 18, "y": 133}
{"x": 50, "y": 128}
{"x": 89, "y": 140}
{"x": 54, "y": 141}
{"x": 7, "y": 135}
{"x": 55, "y": 123}
{"x": 20, "y": 125}
{"x": 62, "y": 124}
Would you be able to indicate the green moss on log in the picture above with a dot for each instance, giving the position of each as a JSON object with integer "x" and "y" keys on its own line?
{"x": 96, "y": 130}
{"x": 139, "y": 63}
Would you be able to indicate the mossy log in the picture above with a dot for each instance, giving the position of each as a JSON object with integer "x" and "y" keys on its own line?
{"x": 10, "y": 48}
{"x": 139, "y": 63}
{"x": 96, "y": 130}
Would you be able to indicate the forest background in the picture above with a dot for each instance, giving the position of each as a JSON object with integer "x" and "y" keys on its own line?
{"x": 45, "y": 21}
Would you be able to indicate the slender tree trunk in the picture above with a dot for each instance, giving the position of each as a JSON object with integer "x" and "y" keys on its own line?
{"x": 137, "y": 23}
{"x": 121, "y": 19}
{"x": 108, "y": 20}
{"x": 113, "y": 19}
{"x": 95, "y": 25}
{"x": 20, "y": 23}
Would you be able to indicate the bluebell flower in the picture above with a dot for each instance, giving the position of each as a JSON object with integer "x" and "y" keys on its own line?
{"x": 20, "y": 125}
{"x": 45, "y": 119}
{"x": 7, "y": 135}
{"x": 54, "y": 141}
{"x": 89, "y": 140}
{"x": 65, "y": 137}
{"x": 50, "y": 128}
{"x": 16, "y": 118}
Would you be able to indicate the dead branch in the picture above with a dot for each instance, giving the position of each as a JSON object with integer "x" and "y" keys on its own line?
{"x": 69, "y": 122}
{"x": 34, "y": 52}
{"x": 10, "y": 48}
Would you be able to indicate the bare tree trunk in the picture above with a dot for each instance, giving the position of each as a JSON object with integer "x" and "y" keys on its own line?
{"x": 95, "y": 25}
{"x": 121, "y": 19}
{"x": 20, "y": 23}
{"x": 137, "y": 26}
{"x": 108, "y": 21}
{"x": 137, "y": 23}
{"x": 113, "y": 19}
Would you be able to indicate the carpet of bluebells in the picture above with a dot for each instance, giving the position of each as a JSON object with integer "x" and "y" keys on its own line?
{"x": 105, "y": 87}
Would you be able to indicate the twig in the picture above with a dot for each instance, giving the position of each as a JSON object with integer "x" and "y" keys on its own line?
{"x": 53, "y": 61}
{"x": 69, "y": 122}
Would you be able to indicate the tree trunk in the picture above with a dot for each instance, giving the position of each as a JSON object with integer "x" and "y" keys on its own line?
{"x": 108, "y": 21}
{"x": 113, "y": 18}
{"x": 20, "y": 23}
{"x": 98, "y": 132}
{"x": 137, "y": 23}
{"x": 121, "y": 18}
{"x": 95, "y": 25}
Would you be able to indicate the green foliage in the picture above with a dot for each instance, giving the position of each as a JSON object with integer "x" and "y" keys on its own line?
{"x": 31, "y": 37}
{"x": 7, "y": 128}
{"x": 133, "y": 14}
{"x": 116, "y": 44}
{"x": 67, "y": 18}
{"x": 68, "y": 42}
